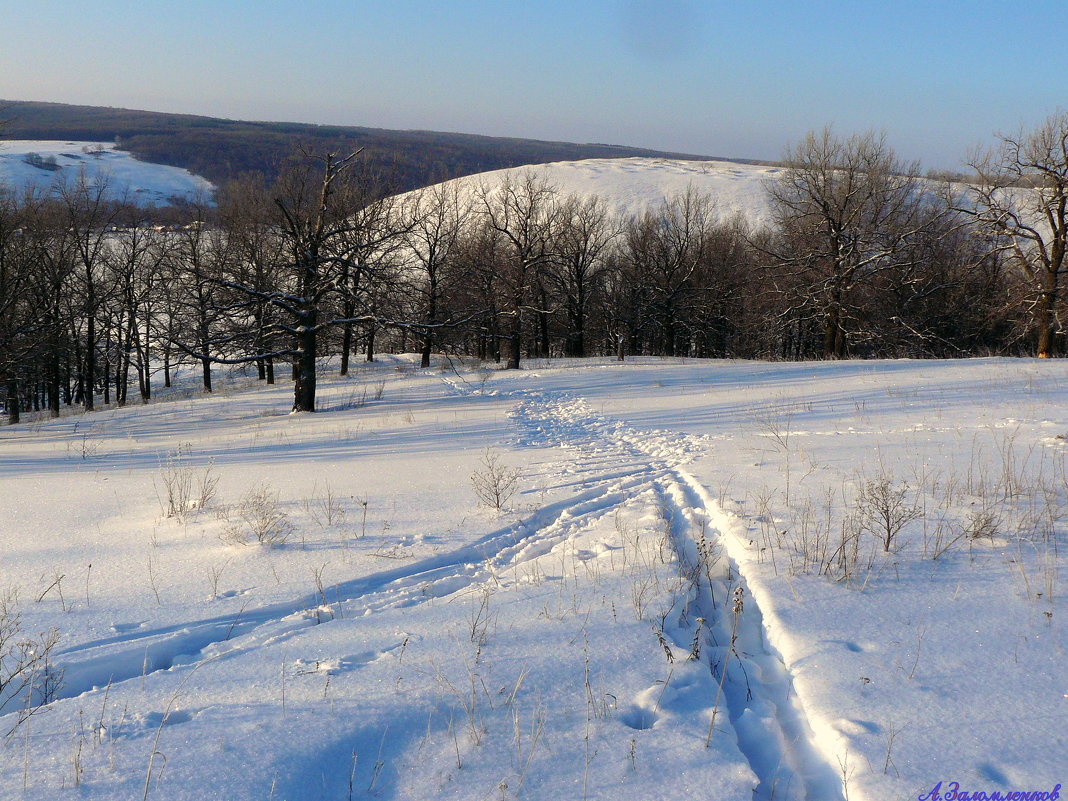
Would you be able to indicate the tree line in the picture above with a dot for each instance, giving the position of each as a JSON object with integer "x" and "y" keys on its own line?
{"x": 221, "y": 150}
{"x": 863, "y": 258}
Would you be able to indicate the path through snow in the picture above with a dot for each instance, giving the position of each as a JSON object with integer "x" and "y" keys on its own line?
{"x": 767, "y": 720}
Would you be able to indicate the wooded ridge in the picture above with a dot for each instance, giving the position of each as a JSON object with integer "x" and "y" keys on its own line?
{"x": 221, "y": 149}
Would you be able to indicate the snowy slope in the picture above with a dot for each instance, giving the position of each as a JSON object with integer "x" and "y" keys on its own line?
{"x": 669, "y": 560}
{"x": 632, "y": 186}
{"x": 144, "y": 183}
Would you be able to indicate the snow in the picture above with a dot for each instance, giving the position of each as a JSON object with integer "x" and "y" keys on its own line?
{"x": 633, "y": 185}
{"x": 144, "y": 183}
{"x": 407, "y": 642}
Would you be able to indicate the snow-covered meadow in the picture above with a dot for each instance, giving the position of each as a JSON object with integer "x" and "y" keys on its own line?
{"x": 27, "y": 164}
{"x": 724, "y": 580}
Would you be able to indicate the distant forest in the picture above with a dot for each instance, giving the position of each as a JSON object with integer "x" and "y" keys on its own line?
{"x": 221, "y": 150}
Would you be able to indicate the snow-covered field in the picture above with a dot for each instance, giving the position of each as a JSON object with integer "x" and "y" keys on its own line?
{"x": 632, "y": 186}
{"x": 145, "y": 184}
{"x": 689, "y": 543}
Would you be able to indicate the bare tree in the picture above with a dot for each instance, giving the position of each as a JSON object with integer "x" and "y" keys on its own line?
{"x": 846, "y": 210}
{"x": 200, "y": 255}
{"x": 585, "y": 232}
{"x": 313, "y": 216}
{"x": 667, "y": 248}
{"x": 1022, "y": 197}
{"x": 90, "y": 213}
{"x": 316, "y": 218}
{"x": 438, "y": 216}
{"x": 16, "y": 313}
{"x": 53, "y": 255}
{"x": 522, "y": 211}
{"x": 624, "y": 302}
{"x": 480, "y": 257}
{"x": 135, "y": 269}
{"x": 368, "y": 252}
{"x": 724, "y": 317}
{"x": 245, "y": 211}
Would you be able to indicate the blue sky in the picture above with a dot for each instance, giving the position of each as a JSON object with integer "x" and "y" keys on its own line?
{"x": 740, "y": 79}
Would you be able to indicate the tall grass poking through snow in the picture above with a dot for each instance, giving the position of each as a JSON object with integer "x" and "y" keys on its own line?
{"x": 495, "y": 482}
{"x": 28, "y": 681}
{"x": 1001, "y": 496}
{"x": 182, "y": 488}
{"x": 260, "y": 518}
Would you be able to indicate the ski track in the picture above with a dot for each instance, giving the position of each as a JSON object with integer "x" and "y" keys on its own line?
{"x": 612, "y": 463}
{"x": 133, "y": 655}
{"x": 768, "y": 721}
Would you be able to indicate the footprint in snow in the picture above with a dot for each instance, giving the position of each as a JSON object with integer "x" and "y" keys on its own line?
{"x": 138, "y": 724}
{"x": 857, "y": 727}
{"x": 991, "y": 774}
{"x": 849, "y": 645}
{"x": 234, "y": 593}
{"x": 639, "y": 718}
{"x": 124, "y": 628}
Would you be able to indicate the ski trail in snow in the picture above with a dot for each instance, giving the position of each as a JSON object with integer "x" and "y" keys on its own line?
{"x": 136, "y": 654}
{"x": 768, "y": 721}
{"x": 611, "y": 463}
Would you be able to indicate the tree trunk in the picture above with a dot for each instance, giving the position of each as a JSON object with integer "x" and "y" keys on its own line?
{"x": 431, "y": 318}
{"x": 1045, "y": 315}
{"x": 576, "y": 337}
{"x": 304, "y": 374}
{"x": 12, "y": 401}
{"x": 205, "y": 362}
{"x": 106, "y": 375}
{"x": 513, "y": 342}
{"x": 105, "y": 372}
{"x": 53, "y": 384}
{"x": 831, "y": 333}
{"x": 543, "y": 322}
{"x": 144, "y": 373}
{"x": 205, "y": 367}
{"x": 346, "y": 342}
{"x": 68, "y": 376}
{"x": 88, "y": 377}
{"x": 428, "y": 346}
{"x": 123, "y": 382}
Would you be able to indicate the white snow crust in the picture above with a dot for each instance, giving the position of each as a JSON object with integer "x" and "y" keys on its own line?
{"x": 407, "y": 642}
{"x": 144, "y": 183}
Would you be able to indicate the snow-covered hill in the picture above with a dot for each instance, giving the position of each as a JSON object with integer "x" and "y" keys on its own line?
{"x": 631, "y": 186}
{"x": 40, "y": 164}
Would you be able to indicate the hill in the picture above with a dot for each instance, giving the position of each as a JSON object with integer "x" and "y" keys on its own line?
{"x": 630, "y": 186}
{"x": 221, "y": 149}
{"x": 38, "y": 164}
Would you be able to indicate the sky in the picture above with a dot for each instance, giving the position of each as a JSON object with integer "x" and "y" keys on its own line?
{"x": 741, "y": 79}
